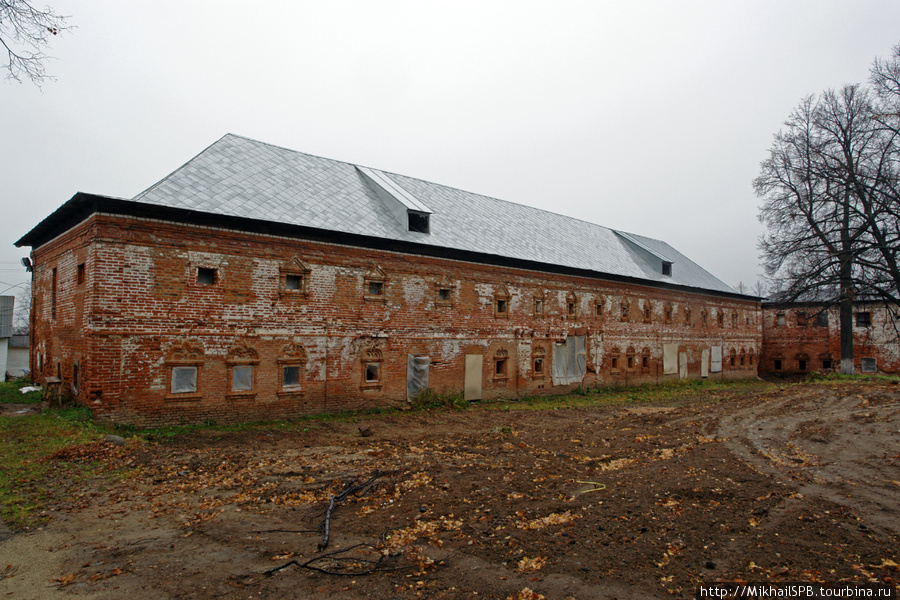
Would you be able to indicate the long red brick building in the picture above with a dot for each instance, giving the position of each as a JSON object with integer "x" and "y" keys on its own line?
{"x": 257, "y": 282}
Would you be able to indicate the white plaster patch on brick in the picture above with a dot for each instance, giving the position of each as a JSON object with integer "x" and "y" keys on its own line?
{"x": 485, "y": 293}
{"x": 206, "y": 259}
{"x": 450, "y": 349}
{"x": 596, "y": 345}
{"x": 323, "y": 281}
{"x": 414, "y": 290}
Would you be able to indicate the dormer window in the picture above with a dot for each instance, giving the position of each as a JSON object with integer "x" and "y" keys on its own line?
{"x": 418, "y": 222}
{"x": 667, "y": 269}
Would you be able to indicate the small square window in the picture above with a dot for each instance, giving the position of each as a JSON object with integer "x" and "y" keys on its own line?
{"x": 79, "y": 274}
{"x": 373, "y": 372}
{"x": 822, "y": 320}
{"x": 777, "y": 364}
{"x": 444, "y": 295}
{"x": 290, "y": 376}
{"x": 826, "y": 363}
{"x": 868, "y": 365}
{"x": 375, "y": 288}
{"x": 667, "y": 269}
{"x": 242, "y": 378}
{"x": 500, "y": 367}
{"x": 801, "y": 365}
{"x": 863, "y": 319}
{"x": 184, "y": 380}
{"x": 502, "y": 306}
{"x": 780, "y": 321}
{"x": 292, "y": 282}
{"x": 801, "y": 319}
{"x": 206, "y": 276}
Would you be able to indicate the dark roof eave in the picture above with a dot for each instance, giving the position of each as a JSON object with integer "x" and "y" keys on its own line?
{"x": 82, "y": 205}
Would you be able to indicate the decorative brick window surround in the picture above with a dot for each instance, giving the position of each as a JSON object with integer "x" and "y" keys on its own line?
{"x": 372, "y": 376}
{"x": 184, "y": 365}
{"x": 293, "y": 280}
{"x": 501, "y": 365}
{"x": 540, "y": 297}
{"x": 292, "y": 369}
{"x": 572, "y": 306}
{"x": 241, "y": 362}
{"x": 443, "y": 292}
{"x": 374, "y": 285}
{"x": 501, "y": 302}
{"x": 614, "y": 359}
{"x": 539, "y": 362}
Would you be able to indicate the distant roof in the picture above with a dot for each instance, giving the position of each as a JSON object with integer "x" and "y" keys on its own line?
{"x": 241, "y": 179}
{"x": 19, "y": 341}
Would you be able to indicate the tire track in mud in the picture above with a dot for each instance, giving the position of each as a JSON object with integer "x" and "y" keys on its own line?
{"x": 838, "y": 443}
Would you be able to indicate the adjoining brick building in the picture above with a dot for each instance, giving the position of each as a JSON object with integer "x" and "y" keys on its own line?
{"x": 805, "y": 337}
{"x": 257, "y": 282}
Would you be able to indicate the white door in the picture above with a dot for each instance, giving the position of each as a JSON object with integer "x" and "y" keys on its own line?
{"x": 473, "y": 377}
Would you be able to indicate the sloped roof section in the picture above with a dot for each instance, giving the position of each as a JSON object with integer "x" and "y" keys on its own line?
{"x": 239, "y": 177}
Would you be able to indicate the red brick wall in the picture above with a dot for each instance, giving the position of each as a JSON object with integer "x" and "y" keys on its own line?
{"x": 141, "y": 302}
{"x": 800, "y": 339}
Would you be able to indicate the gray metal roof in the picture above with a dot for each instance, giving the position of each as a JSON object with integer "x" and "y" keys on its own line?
{"x": 240, "y": 177}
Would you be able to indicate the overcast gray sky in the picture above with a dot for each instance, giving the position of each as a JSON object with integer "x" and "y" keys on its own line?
{"x": 646, "y": 116}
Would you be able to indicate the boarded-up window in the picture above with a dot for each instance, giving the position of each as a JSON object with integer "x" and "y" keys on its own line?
{"x": 715, "y": 363}
{"x": 569, "y": 361}
{"x": 184, "y": 380}
{"x": 670, "y": 359}
{"x": 416, "y": 375}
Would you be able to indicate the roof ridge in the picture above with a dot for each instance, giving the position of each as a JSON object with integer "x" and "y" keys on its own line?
{"x": 424, "y": 181}
{"x": 189, "y": 161}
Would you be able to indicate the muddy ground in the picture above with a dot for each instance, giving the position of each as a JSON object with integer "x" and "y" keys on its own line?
{"x": 761, "y": 483}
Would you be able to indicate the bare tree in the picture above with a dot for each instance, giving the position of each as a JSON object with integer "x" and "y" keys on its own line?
{"x": 830, "y": 206}
{"x": 24, "y": 33}
{"x": 759, "y": 289}
{"x": 22, "y": 311}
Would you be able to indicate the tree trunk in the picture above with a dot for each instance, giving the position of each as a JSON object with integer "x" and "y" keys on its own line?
{"x": 847, "y": 292}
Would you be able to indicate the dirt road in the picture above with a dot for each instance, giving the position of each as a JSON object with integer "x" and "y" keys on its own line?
{"x": 761, "y": 482}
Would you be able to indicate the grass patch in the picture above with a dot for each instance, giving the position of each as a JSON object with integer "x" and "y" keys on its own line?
{"x": 859, "y": 377}
{"x": 429, "y": 398}
{"x": 10, "y": 394}
{"x": 28, "y": 481}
